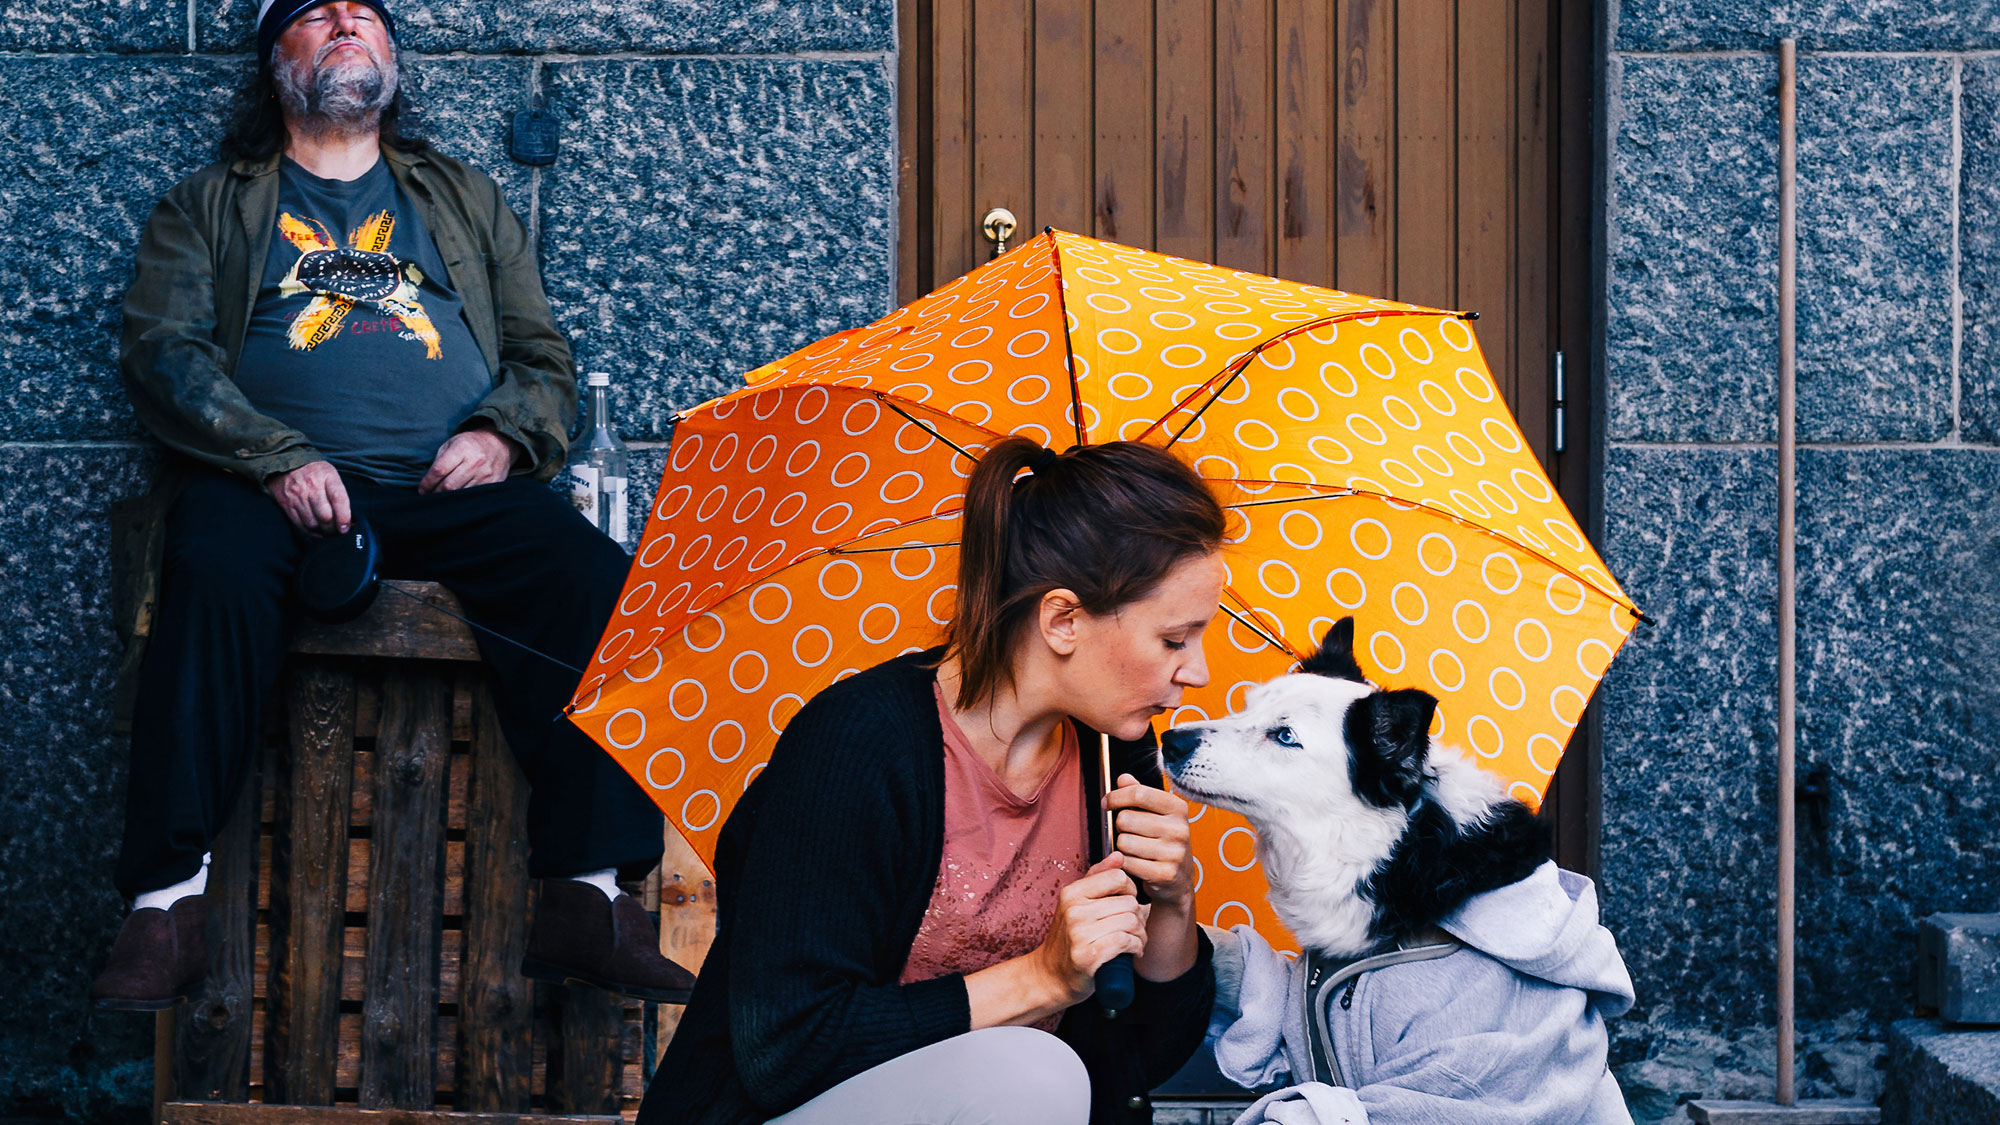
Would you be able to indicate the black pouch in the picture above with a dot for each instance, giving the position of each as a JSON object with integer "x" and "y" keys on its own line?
{"x": 338, "y": 577}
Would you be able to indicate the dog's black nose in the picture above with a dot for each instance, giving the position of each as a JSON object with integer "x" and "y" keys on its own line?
{"x": 1178, "y": 744}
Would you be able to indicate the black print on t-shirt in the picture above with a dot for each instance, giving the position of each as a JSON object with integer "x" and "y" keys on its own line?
{"x": 339, "y": 277}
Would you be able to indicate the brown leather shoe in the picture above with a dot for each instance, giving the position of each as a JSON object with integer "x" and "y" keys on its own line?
{"x": 159, "y": 959}
{"x": 581, "y": 937}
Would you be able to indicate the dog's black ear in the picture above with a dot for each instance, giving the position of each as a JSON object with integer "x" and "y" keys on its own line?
{"x": 1336, "y": 654}
{"x": 1389, "y": 736}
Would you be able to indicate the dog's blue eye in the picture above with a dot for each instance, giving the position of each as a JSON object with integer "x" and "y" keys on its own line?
{"x": 1283, "y": 736}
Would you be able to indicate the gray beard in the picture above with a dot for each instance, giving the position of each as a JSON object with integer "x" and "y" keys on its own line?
{"x": 342, "y": 100}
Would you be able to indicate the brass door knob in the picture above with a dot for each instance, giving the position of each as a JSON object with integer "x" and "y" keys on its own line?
{"x": 999, "y": 225}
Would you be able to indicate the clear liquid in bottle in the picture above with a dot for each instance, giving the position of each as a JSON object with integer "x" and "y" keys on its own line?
{"x": 600, "y": 467}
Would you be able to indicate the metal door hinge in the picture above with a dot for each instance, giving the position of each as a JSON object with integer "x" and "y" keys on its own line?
{"x": 1561, "y": 431}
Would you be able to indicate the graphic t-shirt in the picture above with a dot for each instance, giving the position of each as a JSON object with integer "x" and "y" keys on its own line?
{"x": 1006, "y": 859}
{"x": 357, "y": 339}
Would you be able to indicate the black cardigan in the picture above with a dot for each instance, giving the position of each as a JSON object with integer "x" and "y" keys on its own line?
{"x": 823, "y": 872}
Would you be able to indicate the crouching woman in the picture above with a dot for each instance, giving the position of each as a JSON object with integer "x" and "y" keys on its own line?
{"x": 909, "y": 921}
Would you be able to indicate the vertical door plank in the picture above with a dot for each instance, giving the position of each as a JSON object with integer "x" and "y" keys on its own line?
{"x": 1003, "y": 116}
{"x": 911, "y": 99}
{"x": 405, "y": 892}
{"x": 952, "y": 220}
{"x": 1365, "y": 153}
{"x": 1426, "y": 136}
{"x": 1485, "y": 179}
{"x": 1243, "y": 182}
{"x": 309, "y": 886}
{"x": 1123, "y": 204}
{"x": 1304, "y": 88}
{"x": 1184, "y": 141}
{"x": 496, "y": 1003}
{"x": 1062, "y": 100}
{"x": 1534, "y": 250}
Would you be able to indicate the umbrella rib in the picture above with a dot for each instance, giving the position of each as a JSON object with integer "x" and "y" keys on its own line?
{"x": 926, "y": 427}
{"x": 1251, "y": 625}
{"x": 1235, "y": 370}
{"x": 1243, "y": 362}
{"x": 757, "y": 579}
{"x": 1069, "y": 353}
{"x": 1335, "y": 495}
{"x": 880, "y": 550}
{"x": 1624, "y": 601}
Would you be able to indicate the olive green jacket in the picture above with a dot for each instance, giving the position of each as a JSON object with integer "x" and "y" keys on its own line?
{"x": 200, "y": 262}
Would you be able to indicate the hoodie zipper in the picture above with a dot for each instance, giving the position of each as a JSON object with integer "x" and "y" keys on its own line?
{"x": 1319, "y": 1034}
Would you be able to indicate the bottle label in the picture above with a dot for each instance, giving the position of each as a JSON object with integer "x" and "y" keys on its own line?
{"x": 583, "y": 490}
{"x": 614, "y": 505}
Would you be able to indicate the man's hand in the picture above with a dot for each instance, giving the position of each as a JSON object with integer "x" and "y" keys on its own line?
{"x": 312, "y": 497}
{"x": 469, "y": 458}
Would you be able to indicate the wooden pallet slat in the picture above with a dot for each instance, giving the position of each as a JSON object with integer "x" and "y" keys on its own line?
{"x": 308, "y": 887}
{"x": 369, "y": 905}
{"x": 496, "y": 1049}
{"x": 219, "y": 1113}
{"x": 406, "y": 879}
{"x": 212, "y": 1035}
{"x": 583, "y": 1077}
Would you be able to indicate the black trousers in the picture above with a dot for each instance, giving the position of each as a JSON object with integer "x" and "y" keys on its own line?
{"x": 520, "y": 559}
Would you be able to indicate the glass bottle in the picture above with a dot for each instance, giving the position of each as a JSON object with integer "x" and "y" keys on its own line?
{"x": 600, "y": 466}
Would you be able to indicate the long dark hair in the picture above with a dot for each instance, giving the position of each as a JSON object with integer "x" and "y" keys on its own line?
{"x": 1106, "y": 522}
{"x": 257, "y": 127}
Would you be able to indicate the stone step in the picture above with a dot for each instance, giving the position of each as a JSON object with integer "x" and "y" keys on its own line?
{"x": 1808, "y": 1112}
{"x": 1941, "y": 1076}
{"x": 1958, "y": 967}
{"x": 1198, "y": 1111}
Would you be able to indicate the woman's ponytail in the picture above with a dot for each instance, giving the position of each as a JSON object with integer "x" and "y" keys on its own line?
{"x": 977, "y": 634}
{"x": 1106, "y": 522}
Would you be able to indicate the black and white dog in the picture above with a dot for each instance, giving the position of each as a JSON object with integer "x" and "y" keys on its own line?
{"x": 1450, "y": 971}
{"x": 1367, "y": 833}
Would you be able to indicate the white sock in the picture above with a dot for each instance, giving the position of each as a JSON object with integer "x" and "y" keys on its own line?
{"x": 605, "y": 880}
{"x": 165, "y": 897}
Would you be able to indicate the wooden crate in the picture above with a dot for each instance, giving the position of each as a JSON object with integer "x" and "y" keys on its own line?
{"x": 369, "y": 906}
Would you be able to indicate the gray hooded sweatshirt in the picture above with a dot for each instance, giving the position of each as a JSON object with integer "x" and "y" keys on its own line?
{"x": 1503, "y": 1025}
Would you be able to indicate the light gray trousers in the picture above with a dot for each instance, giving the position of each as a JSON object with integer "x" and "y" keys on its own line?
{"x": 993, "y": 1076}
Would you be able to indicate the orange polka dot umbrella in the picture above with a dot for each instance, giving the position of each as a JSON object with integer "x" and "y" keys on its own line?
{"x": 806, "y": 525}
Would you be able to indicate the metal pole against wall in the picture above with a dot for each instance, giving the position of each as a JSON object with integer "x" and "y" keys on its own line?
{"x": 1787, "y": 577}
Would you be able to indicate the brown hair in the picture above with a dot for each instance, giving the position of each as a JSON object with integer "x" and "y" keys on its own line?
{"x": 1106, "y": 522}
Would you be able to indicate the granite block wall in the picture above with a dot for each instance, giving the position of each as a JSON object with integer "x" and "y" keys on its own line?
{"x": 726, "y": 192}
{"x": 1898, "y": 532}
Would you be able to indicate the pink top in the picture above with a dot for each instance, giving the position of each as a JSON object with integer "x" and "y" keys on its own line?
{"x": 1005, "y": 860}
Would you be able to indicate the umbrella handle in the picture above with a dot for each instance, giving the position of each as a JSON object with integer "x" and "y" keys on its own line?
{"x": 1114, "y": 977}
{"x": 1114, "y": 985}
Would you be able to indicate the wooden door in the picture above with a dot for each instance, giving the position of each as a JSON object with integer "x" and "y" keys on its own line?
{"x": 1435, "y": 151}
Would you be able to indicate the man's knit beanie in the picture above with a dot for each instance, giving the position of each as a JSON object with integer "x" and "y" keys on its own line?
{"x": 273, "y": 15}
